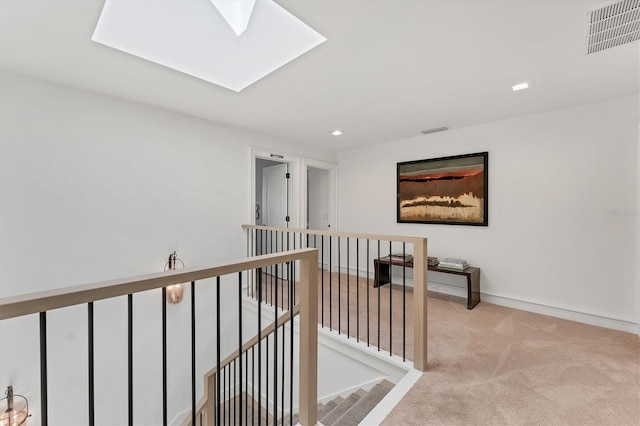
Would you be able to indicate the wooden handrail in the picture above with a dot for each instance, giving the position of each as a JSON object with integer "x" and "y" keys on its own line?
{"x": 399, "y": 238}
{"x": 11, "y": 307}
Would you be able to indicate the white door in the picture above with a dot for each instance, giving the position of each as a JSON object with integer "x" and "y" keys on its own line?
{"x": 275, "y": 194}
{"x": 275, "y": 201}
{"x": 318, "y": 199}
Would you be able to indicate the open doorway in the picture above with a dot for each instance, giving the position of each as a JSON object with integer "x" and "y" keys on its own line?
{"x": 318, "y": 199}
{"x": 272, "y": 193}
{"x": 321, "y": 205}
{"x": 320, "y": 195}
{"x": 274, "y": 202}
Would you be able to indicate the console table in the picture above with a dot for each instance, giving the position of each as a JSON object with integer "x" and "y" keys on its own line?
{"x": 381, "y": 268}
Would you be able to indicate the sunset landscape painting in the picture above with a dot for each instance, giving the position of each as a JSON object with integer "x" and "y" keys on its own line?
{"x": 447, "y": 190}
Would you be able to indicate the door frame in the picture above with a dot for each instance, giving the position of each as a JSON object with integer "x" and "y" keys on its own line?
{"x": 294, "y": 169}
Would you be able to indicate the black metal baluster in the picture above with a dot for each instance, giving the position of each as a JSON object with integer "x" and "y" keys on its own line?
{"x": 246, "y": 387}
{"x": 284, "y": 347}
{"x": 164, "y": 357}
{"x": 193, "y": 351}
{"x": 275, "y": 358}
{"x": 404, "y": 301}
{"x": 44, "y": 415}
{"x": 217, "y": 399}
{"x": 253, "y": 385}
{"x": 232, "y": 401}
{"x": 322, "y": 276}
{"x": 130, "y": 355}
{"x": 288, "y": 279}
{"x": 266, "y": 379}
{"x": 339, "y": 289}
{"x": 224, "y": 393}
{"x": 330, "y": 284}
{"x": 294, "y": 285}
{"x": 368, "y": 278}
{"x": 357, "y": 290}
{"x": 263, "y": 242}
{"x": 240, "y": 346}
{"x": 379, "y": 285}
{"x": 260, "y": 354}
{"x": 270, "y": 273}
{"x": 291, "y": 304}
{"x": 390, "y": 302}
{"x": 348, "y": 293}
{"x": 91, "y": 365}
{"x": 276, "y": 272}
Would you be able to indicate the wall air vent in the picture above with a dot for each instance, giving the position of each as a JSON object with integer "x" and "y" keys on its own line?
{"x": 612, "y": 25}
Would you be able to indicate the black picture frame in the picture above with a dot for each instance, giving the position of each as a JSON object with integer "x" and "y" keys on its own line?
{"x": 446, "y": 190}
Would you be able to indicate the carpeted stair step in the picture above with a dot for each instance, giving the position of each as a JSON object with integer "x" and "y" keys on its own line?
{"x": 360, "y": 409}
{"x": 329, "y": 406}
{"x": 340, "y": 409}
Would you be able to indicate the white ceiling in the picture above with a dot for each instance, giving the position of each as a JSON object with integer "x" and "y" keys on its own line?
{"x": 389, "y": 68}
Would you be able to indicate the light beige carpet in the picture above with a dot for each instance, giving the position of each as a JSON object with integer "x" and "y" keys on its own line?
{"x": 499, "y": 366}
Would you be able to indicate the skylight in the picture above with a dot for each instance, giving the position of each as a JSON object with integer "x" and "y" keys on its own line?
{"x": 236, "y": 13}
{"x": 231, "y": 46}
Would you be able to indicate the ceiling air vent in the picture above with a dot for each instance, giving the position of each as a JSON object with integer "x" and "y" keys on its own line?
{"x": 612, "y": 25}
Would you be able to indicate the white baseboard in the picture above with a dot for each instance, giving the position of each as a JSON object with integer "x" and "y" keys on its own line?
{"x": 597, "y": 320}
{"x": 388, "y": 403}
{"x": 445, "y": 286}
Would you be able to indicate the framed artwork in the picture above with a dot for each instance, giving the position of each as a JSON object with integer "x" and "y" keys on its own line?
{"x": 446, "y": 190}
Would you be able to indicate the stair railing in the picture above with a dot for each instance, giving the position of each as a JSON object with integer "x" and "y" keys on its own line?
{"x": 206, "y": 406}
{"x": 354, "y": 298}
{"x": 43, "y": 302}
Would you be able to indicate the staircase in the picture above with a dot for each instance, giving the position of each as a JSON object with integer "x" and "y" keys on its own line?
{"x": 351, "y": 410}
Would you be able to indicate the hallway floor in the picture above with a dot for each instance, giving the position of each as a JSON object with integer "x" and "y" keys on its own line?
{"x": 495, "y": 365}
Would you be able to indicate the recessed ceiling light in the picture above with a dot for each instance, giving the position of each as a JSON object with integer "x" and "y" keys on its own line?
{"x": 520, "y": 86}
{"x": 336, "y": 132}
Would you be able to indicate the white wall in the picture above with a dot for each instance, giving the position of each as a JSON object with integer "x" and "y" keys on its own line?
{"x": 638, "y": 221}
{"x": 94, "y": 188}
{"x": 557, "y": 184}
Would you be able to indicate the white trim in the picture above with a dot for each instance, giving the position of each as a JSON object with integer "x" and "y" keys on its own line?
{"x": 638, "y": 223}
{"x": 388, "y": 403}
{"x": 619, "y": 324}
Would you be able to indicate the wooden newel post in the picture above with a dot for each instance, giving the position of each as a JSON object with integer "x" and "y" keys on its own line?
{"x": 210, "y": 409}
{"x": 420, "y": 305}
{"x": 309, "y": 339}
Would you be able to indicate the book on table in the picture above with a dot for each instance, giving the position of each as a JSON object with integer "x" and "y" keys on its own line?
{"x": 453, "y": 264}
{"x": 398, "y": 259}
{"x": 401, "y": 257}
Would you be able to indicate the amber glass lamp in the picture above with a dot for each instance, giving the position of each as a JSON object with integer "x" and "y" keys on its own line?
{"x": 176, "y": 291}
{"x": 14, "y": 413}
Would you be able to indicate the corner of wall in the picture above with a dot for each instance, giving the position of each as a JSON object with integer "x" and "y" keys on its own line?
{"x": 638, "y": 221}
